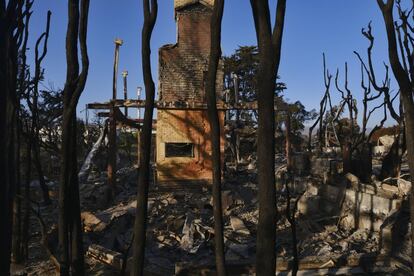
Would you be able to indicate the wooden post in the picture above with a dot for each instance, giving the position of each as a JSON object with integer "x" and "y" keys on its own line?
{"x": 118, "y": 42}
{"x": 124, "y": 76}
{"x": 111, "y": 170}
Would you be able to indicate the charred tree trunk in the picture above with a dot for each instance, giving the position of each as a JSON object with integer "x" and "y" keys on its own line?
{"x": 214, "y": 120}
{"x": 26, "y": 217}
{"x": 289, "y": 156}
{"x": 18, "y": 224}
{"x": 406, "y": 90}
{"x": 269, "y": 44}
{"x": 391, "y": 163}
{"x": 10, "y": 39}
{"x": 70, "y": 232}
{"x": 362, "y": 163}
{"x": 17, "y": 206}
{"x": 35, "y": 110}
{"x": 150, "y": 17}
{"x": 290, "y": 216}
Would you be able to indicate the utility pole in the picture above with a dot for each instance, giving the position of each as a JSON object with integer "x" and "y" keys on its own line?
{"x": 124, "y": 76}
{"x": 118, "y": 42}
{"x": 111, "y": 170}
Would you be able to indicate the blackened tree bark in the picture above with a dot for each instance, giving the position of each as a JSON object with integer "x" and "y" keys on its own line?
{"x": 322, "y": 108}
{"x": 70, "y": 232}
{"x": 150, "y": 17}
{"x": 323, "y": 105}
{"x": 215, "y": 53}
{"x": 405, "y": 82}
{"x": 347, "y": 140}
{"x": 269, "y": 44}
{"x": 18, "y": 245}
{"x": 290, "y": 214}
{"x": 35, "y": 132}
{"x": 11, "y": 30}
{"x": 391, "y": 163}
{"x": 288, "y": 145}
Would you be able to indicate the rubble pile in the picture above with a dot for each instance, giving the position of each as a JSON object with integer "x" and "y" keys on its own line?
{"x": 341, "y": 223}
{"x": 180, "y": 225}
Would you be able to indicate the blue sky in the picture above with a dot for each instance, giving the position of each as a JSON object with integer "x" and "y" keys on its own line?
{"x": 311, "y": 28}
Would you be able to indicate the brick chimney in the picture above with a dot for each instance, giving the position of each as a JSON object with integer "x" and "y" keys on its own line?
{"x": 179, "y": 4}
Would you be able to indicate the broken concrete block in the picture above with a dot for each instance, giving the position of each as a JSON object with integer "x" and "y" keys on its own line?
{"x": 299, "y": 185}
{"x": 351, "y": 181}
{"x": 311, "y": 190}
{"x": 362, "y": 210}
{"x": 331, "y": 198}
{"x": 301, "y": 163}
{"x": 404, "y": 186}
{"x": 251, "y": 166}
{"x": 324, "y": 165}
{"x": 238, "y": 226}
{"x": 92, "y": 223}
{"x": 324, "y": 250}
{"x": 309, "y": 205}
{"x": 105, "y": 255}
{"x": 390, "y": 188}
{"x": 386, "y": 238}
{"x": 319, "y": 166}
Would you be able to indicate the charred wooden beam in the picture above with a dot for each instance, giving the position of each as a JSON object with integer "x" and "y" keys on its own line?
{"x": 176, "y": 105}
{"x": 120, "y": 117}
{"x": 111, "y": 169}
{"x": 103, "y": 114}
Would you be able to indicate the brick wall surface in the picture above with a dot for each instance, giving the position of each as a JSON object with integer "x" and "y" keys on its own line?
{"x": 182, "y": 71}
{"x": 185, "y": 126}
{"x": 183, "y": 67}
{"x": 182, "y": 3}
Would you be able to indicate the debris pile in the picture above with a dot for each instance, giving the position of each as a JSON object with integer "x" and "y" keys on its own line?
{"x": 341, "y": 223}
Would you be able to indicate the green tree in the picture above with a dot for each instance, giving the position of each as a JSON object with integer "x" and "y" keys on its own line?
{"x": 298, "y": 116}
{"x": 243, "y": 64}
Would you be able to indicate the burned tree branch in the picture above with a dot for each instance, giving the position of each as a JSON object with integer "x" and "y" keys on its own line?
{"x": 70, "y": 232}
